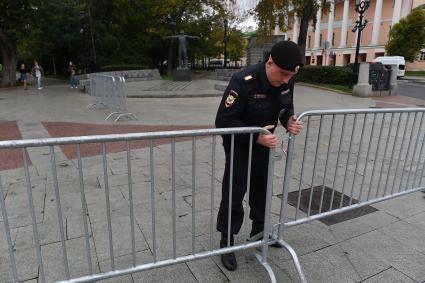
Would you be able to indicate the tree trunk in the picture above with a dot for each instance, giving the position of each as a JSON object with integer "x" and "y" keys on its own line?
{"x": 54, "y": 65}
{"x": 10, "y": 60}
{"x": 302, "y": 38}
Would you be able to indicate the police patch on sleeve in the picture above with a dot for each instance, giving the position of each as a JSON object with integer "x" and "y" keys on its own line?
{"x": 231, "y": 98}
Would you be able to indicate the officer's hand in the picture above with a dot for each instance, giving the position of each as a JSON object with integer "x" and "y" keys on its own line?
{"x": 269, "y": 140}
{"x": 294, "y": 126}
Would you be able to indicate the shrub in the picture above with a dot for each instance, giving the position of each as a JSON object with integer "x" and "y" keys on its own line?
{"x": 111, "y": 68}
{"x": 325, "y": 75}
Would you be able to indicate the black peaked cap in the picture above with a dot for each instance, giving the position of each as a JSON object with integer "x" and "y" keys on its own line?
{"x": 287, "y": 55}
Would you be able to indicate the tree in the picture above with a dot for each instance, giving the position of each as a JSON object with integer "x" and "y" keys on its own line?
{"x": 15, "y": 17}
{"x": 407, "y": 37}
{"x": 270, "y": 13}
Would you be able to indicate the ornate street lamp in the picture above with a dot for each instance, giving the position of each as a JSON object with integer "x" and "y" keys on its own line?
{"x": 361, "y": 7}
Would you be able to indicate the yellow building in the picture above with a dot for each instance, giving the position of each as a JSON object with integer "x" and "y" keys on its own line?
{"x": 334, "y": 31}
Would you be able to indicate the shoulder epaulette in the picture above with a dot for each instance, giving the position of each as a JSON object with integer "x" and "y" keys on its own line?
{"x": 248, "y": 78}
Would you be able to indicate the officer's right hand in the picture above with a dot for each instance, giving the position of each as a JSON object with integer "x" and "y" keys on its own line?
{"x": 267, "y": 140}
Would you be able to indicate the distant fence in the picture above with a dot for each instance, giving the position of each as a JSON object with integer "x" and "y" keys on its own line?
{"x": 110, "y": 92}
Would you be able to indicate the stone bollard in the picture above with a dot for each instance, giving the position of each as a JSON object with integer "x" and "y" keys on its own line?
{"x": 393, "y": 80}
{"x": 363, "y": 88}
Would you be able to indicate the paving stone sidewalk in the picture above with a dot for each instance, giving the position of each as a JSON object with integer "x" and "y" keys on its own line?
{"x": 384, "y": 246}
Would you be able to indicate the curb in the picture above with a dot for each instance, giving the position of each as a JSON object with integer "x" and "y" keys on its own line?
{"x": 322, "y": 87}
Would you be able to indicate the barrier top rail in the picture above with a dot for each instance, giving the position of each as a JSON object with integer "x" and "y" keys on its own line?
{"x": 359, "y": 111}
{"x": 128, "y": 137}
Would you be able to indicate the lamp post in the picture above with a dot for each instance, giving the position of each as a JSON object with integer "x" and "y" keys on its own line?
{"x": 361, "y": 7}
{"x": 226, "y": 39}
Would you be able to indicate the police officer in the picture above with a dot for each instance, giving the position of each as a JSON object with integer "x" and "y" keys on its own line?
{"x": 255, "y": 97}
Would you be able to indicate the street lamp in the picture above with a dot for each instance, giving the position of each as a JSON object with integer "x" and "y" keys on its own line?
{"x": 226, "y": 39}
{"x": 361, "y": 7}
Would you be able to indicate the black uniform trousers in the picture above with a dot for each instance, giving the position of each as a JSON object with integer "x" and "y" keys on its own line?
{"x": 258, "y": 186}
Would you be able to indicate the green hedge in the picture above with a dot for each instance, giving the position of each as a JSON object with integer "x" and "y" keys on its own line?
{"x": 110, "y": 68}
{"x": 325, "y": 75}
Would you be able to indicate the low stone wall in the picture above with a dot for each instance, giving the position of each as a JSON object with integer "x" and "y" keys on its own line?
{"x": 129, "y": 75}
{"x": 224, "y": 74}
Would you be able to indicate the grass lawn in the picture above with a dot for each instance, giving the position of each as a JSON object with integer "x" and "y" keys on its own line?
{"x": 167, "y": 77}
{"x": 340, "y": 88}
{"x": 415, "y": 73}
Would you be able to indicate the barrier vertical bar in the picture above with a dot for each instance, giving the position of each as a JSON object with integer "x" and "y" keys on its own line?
{"x": 248, "y": 181}
{"x": 414, "y": 151}
{"x": 314, "y": 166}
{"x": 152, "y": 166}
{"x": 173, "y": 196}
{"x": 326, "y": 164}
{"x": 399, "y": 152}
{"x": 376, "y": 157}
{"x": 59, "y": 208}
{"x": 358, "y": 159}
{"x": 408, "y": 151}
{"x": 385, "y": 154}
{"x": 348, "y": 160}
{"x": 12, "y": 261}
{"x": 367, "y": 155}
{"x": 337, "y": 162}
{"x": 130, "y": 199}
{"x": 302, "y": 167}
{"x": 33, "y": 217}
{"x": 108, "y": 206}
{"x": 212, "y": 190}
{"x": 419, "y": 160}
{"x": 193, "y": 192}
{"x": 392, "y": 155}
{"x": 84, "y": 207}
{"x": 232, "y": 151}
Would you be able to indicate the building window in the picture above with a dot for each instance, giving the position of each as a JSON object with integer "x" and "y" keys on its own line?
{"x": 333, "y": 39}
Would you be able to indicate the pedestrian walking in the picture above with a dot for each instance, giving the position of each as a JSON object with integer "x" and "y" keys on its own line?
{"x": 38, "y": 72}
{"x": 255, "y": 97}
{"x": 72, "y": 70}
{"x": 24, "y": 75}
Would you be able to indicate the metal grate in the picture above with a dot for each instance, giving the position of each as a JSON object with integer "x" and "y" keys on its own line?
{"x": 327, "y": 195}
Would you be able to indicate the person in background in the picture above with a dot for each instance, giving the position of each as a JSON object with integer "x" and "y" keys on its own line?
{"x": 24, "y": 75}
{"x": 72, "y": 70}
{"x": 38, "y": 72}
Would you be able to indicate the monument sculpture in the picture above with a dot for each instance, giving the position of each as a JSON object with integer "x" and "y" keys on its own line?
{"x": 182, "y": 73}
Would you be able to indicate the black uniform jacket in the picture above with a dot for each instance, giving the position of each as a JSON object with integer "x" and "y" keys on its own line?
{"x": 250, "y": 100}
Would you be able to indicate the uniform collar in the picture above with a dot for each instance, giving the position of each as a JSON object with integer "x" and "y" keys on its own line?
{"x": 264, "y": 81}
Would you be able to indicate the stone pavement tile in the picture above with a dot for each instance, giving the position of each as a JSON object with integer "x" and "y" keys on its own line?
{"x": 206, "y": 270}
{"x": 121, "y": 237}
{"x": 378, "y": 219}
{"x": 98, "y": 210}
{"x": 417, "y": 220}
{"x": 309, "y": 237}
{"x": 404, "y": 206}
{"x": 378, "y": 246}
{"x": 26, "y": 262}
{"x": 411, "y": 235}
{"x": 174, "y": 273}
{"x": 326, "y": 265}
{"x": 390, "y": 275}
{"x": 349, "y": 229}
{"x": 17, "y": 204}
{"x": 77, "y": 259}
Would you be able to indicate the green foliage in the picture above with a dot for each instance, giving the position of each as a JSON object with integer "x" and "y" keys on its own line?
{"x": 270, "y": 12}
{"x": 325, "y": 75}
{"x": 407, "y": 37}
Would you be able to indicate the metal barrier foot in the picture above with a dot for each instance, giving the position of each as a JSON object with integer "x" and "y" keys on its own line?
{"x": 267, "y": 266}
{"x": 295, "y": 259}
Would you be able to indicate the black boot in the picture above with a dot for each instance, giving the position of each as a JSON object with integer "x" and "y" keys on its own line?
{"x": 257, "y": 233}
{"x": 228, "y": 260}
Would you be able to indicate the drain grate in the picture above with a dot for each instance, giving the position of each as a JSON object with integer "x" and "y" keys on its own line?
{"x": 315, "y": 204}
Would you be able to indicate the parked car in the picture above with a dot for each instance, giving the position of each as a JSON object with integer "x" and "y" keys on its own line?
{"x": 393, "y": 60}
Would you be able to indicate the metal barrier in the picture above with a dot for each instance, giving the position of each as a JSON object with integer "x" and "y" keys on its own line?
{"x": 110, "y": 92}
{"x": 348, "y": 159}
{"x": 117, "y": 228}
